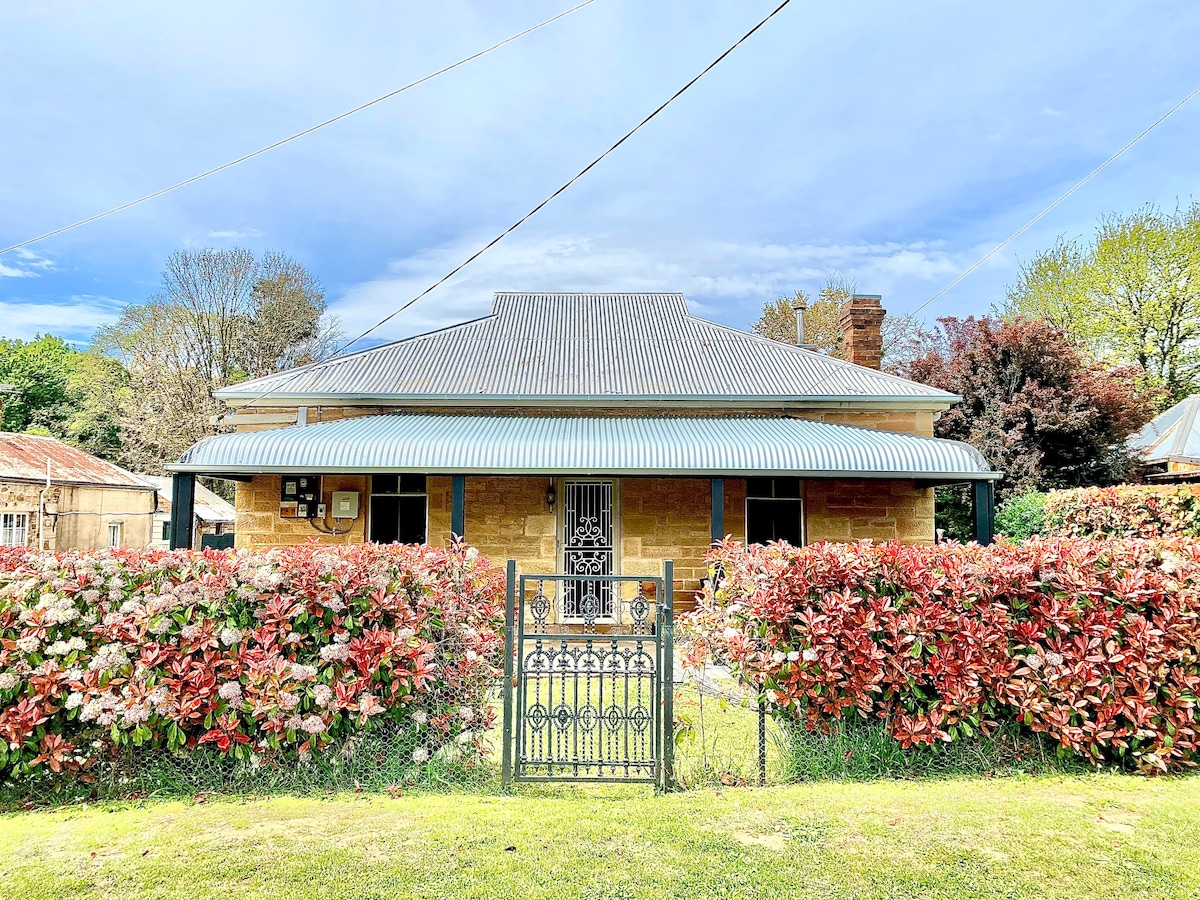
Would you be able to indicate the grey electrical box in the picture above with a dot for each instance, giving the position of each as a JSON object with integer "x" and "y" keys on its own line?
{"x": 344, "y": 505}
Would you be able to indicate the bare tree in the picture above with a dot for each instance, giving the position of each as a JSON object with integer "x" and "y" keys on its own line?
{"x": 222, "y": 316}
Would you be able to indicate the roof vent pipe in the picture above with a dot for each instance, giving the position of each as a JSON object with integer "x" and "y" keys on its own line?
{"x": 799, "y": 306}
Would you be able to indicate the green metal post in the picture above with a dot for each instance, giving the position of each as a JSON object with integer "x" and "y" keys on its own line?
{"x": 506, "y": 771}
{"x": 183, "y": 510}
{"x": 718, "y": 510}
{"x": 984, "y": 501}
{"x": 762, "y": 740}
{"x": 458, "y": 517}
{"x": 668, "y": 675}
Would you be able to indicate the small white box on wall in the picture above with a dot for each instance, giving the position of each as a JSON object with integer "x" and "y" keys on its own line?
{"x": 344, "y": 505}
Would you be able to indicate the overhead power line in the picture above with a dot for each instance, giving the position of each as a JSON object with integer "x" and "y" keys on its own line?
{"x": 295, "y": 373}
{"x": 1020, "y": 231}
{"x": 299, "y": 134}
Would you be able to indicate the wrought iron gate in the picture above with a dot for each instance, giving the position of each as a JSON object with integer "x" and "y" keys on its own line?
{"x": 581, "y": 705}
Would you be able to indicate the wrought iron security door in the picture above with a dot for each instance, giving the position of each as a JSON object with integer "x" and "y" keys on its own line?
{"x": 583, "y": 706}
{"x": 588, "y": 547}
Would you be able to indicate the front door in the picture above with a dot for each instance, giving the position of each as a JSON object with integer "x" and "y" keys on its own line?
{"x": 588, "y": 548}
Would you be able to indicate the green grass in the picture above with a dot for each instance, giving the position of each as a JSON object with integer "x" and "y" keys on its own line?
{"x": 1051, "y": 836}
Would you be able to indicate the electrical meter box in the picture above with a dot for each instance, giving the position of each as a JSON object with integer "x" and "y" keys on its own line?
{"x": 344, "y": 505}
{"x": 299, "y": 496}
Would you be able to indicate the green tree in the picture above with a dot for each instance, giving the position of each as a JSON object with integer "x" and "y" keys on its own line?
{"x": 1131, "y": 295}
{"x": 36, "y": 372}
{"x": 56, "y": 390}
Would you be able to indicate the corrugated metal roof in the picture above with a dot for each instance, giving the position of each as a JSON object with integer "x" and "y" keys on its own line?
{"x": 570, "y": 347}
{"x": 209, "y": 507}
{"x": 24, "y": 456}
{"x": 1174, "y": 434}
{"x": 464, "y": 444}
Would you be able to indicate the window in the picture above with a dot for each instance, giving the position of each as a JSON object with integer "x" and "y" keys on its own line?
{"x": 114, "y": 534}
{"x": 774, "y": 511}
{"x": 399, "y": 504}
{"x": 166, "y": 531}
{"x": 14, "y": 529}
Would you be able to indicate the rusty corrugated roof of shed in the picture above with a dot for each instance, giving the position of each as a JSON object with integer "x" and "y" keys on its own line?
{"x": 209, "y": 507}
{"x": 23, "y": 458}
{"x": 586, "y": 349}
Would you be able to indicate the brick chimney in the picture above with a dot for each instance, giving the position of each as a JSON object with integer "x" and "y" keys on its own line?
{"x": 861, "y": 321}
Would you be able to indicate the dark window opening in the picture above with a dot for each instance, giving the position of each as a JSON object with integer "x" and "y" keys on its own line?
{"x": 399, "y": 506}
{"x": 166, "y": 534}
{"x": 774, "y": 511}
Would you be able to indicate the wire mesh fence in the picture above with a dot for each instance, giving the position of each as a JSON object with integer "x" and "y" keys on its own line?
{"x": 722, "y": 739}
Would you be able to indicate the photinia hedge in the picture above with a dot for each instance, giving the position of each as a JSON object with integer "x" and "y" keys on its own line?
{"x": 1094, "y": 643}
{"x": 278, "y": 652}
{"x": 1125, "y": 511}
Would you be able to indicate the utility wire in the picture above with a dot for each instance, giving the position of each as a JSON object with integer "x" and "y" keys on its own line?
{"x": 299, "y": 134}
{"x": 1020, "y": 231}
{"x": 1016, "y": 234}
{"x": 294, "y": 373}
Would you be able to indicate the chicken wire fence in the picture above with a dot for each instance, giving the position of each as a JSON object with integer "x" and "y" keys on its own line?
{"x": 415, "y": 751}
{"x": 722, "y": 738}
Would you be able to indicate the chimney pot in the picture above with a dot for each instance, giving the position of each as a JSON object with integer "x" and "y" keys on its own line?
{"x": 861, "y": 321}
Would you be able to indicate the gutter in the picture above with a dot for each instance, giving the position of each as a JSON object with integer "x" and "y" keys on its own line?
{"x": 926, "y": 476}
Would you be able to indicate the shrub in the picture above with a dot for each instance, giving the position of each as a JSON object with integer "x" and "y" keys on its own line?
{"x": 1126, "y": 511}
{"x": 247, "y": 654}
{"x": 1093, "y": 643}
{"x": 1022, "y": 517}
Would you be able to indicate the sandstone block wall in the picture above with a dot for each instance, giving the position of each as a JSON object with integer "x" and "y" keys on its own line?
{"x": 659, "y": 518}
{"x": 24, "y": 497}
{"x": 847, "y": 510}
{"x": 259, "y": 525}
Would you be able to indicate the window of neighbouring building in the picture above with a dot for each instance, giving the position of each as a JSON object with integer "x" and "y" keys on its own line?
{"x": 399, "y": 509}
{"x": 774, "y": 511}
{"x": 166, "y": 530}
{"x": 14, "y": 529}
{"x": 114, "y": 534}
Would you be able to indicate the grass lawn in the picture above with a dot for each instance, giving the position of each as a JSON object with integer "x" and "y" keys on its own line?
{"x": 1057, "y": 837}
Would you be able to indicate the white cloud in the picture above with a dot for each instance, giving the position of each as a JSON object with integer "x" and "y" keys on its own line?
{"x": 25, "y": 264}
{"x": 1052, "y": 112}
{"x": 76, "y": 318}
{"x": 236, "y": 235}
{"x": 727, "y": 281}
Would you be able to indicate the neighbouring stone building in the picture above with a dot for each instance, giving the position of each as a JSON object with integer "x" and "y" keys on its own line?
{"x": 58, "y": 497}
{"x": 591, "y": 434}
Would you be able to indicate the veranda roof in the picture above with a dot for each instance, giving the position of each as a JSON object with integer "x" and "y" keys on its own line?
{"x": 432, "y": 443}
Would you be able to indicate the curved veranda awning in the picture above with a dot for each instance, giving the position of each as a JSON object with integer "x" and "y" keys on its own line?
{"x": 467, "y": 444}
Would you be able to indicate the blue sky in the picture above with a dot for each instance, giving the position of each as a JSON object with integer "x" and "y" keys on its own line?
{"x": 895, "y": 143}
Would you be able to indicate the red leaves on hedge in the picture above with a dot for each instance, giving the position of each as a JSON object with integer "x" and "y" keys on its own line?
{"x": 274, "y": 652}
{"x": 1095, "y": 643}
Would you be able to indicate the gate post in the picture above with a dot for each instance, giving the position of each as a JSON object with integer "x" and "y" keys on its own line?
{"x": 667, "y": 678}
{"x": 506, "y": 761}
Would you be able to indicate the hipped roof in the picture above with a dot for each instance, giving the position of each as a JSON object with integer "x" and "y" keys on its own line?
{"x": 571, "y": 349}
